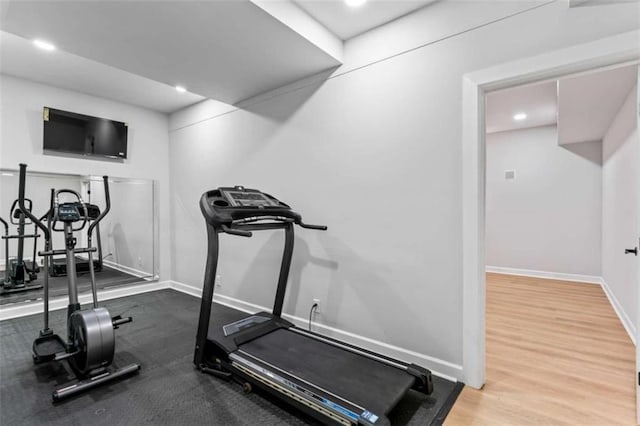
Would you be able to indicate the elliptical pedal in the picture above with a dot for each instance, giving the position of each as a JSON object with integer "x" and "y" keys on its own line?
{"x": 46, "y": 347}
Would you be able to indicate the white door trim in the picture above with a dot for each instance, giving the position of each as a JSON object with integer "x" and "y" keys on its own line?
{"x": 610, "y": 51}
{"x": 637, "y": 242}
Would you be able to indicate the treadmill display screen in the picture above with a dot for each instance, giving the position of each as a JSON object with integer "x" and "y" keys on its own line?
{"x": 249, "y": 199}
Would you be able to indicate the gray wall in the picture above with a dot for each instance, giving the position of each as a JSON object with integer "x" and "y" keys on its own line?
{"x": 619, "y": 208}
{"x": 549, "y": 218}
{"x": 374, "y": 153}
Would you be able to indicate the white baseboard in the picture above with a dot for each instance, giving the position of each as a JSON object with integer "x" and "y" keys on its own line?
{"x": 126, "y": 269}
{"x": 628, "y": 325}
{"x": 36, "y": 307}
{"x": 437, "y": 366}
{"x": 589, "y": 279}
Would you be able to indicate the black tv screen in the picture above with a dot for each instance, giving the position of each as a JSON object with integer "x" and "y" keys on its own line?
{"x": 75, "y": 133}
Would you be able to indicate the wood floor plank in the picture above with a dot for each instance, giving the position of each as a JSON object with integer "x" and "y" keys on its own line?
{"x": 557, "y": 354}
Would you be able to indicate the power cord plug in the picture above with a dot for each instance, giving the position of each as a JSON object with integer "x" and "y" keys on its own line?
{"x": 313, "y": 308}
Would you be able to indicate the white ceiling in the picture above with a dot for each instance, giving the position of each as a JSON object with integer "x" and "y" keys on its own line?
{"x": 582, "y": 106}
{"x": 346, "y": 21}
{"x": 538, "y": 101}
{"x": 225, "y": 50}
{"x": 588, "y": 103}
{"x": 20, "y": 58}
{"x": 137, "y": 51}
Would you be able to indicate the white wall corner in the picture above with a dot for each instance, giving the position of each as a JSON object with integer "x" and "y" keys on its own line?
{"x": 196, "y": 113}
{"x": 302, "y": 23}
{"x": 627, "y": 323}
{"x": 473, "y": 321}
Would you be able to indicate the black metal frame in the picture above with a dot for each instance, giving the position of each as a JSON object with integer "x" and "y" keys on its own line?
{"x": 49, "y": 346}
{"x": 214, "y": 356}
{"x": 213, "y": 250}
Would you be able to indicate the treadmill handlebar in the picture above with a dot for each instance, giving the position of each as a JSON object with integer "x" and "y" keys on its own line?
{"x": 248, "y": 234}
{"x": 316, "y": 227}
{"x": 239, "y": 210}
{"x": 21, "y": 202}
{"x": 237, "y": 232}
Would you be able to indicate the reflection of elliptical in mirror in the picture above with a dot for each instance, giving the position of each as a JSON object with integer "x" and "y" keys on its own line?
{"x": 90, "y": 343}
{"x": 126, "y": 238}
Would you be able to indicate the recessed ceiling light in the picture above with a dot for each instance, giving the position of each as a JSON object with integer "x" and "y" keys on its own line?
{"x": 181, "y": 89}
{"x": 44, "y": 45}
{"x": 355, "y": 3}
{"x": 519, "y": 116}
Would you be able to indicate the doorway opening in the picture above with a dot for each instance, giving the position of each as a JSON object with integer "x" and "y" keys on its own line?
{"x": 616, "y": 51}
{"x": 560, "y": 208}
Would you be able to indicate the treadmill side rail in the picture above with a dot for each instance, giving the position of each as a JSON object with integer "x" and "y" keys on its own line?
{"x": 424, "y": 381}
{"x": 333, "y": 410}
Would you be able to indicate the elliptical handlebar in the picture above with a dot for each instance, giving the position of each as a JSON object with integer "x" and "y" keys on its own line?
{"x": 80, "y": 201}
{"x": 21, "y": 203}
{"x": 27, "y": 202}
{"x": 107, "y": 198}
{"x": 6, "y": 226}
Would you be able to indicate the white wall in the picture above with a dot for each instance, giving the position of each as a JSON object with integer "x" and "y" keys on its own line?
{"x": 619, "y": 209}
{"x": 21, "y": 104}
{"x": 375, "y": 154}
{"x": 549, "y": 218}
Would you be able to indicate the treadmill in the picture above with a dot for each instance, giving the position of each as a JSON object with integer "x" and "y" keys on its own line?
{"x": 334, "y": 382}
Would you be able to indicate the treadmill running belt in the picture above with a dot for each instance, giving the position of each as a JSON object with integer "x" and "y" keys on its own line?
{"x": 368, "y": 383}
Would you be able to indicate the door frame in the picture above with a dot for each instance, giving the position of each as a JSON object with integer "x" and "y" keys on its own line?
{"x": 618, "y": 50}
{"x": 637, "y": 241}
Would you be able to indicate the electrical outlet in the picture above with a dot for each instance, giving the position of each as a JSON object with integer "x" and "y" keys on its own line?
{"x": 316, "y": 302}
{"x": 218, "y": 281}
{"x": 139, "y": 260}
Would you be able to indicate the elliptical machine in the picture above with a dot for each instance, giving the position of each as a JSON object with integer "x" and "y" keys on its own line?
{"x": 58, "y": 267}
{"x": 19, "y": 273}
{"x": 90, "y": 345}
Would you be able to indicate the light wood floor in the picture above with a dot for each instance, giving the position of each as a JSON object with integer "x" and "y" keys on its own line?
{"x": 557, "y": 354}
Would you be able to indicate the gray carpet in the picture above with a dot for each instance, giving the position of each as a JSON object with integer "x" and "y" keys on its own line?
{"x": 106, "y": 278}
{"x": 168, "y": 390}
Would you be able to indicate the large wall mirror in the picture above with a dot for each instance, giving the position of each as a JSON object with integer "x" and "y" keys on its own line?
{"x": 126, "y": 238}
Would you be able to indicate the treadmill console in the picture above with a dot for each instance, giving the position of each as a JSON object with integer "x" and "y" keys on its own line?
{"x": 230, "y": 205}
{"x": 241, "y": 197}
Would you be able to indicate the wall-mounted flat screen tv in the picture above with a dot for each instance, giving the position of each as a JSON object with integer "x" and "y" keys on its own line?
{"x": 70, "y": 132}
